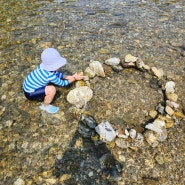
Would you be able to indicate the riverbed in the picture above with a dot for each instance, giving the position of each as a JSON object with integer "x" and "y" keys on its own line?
{"x": 37, "y": 148}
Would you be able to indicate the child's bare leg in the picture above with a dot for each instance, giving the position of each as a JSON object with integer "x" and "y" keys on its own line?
{"x": 50, "y": 91}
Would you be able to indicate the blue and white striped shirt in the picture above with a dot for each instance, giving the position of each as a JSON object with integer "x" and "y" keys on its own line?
{"x": 40, "y": 78}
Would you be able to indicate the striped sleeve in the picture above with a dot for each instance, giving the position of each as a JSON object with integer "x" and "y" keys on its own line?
{"x": 57, "y": 81}
{"x": 58, "y": 74}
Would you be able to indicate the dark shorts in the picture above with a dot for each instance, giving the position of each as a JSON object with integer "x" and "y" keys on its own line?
{"x": 38, "y": 95}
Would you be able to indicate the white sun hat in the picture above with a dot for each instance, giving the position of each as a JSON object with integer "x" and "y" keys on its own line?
{"x": 52, "y": 60}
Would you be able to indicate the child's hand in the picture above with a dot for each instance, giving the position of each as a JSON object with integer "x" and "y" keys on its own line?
{"x": 77, "y": 76}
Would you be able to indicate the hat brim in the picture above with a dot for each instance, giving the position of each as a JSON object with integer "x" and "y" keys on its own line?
{"x": 53, "y": 67}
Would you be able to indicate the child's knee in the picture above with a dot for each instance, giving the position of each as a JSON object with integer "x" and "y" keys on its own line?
{"x": 50, "y": 90}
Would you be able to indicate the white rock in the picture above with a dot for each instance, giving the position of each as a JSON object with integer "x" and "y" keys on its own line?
{"x": 89, "y": 72}
{"x": 126, "y": 132}
{"x": 139, "y": 63}
{"x": 156, "y": 126}
{"x": 132, "y": 133}
{"x": 170, "y": 87}
{"x": 151, "y": 138}
{"x": 112, "y": 61}
{"x": 123, "y": 135}
{"x": 122, "y": 158}
{"x": 105, "y": 130}
{"x": 130, "y": 58}
{"x": 90, "y": 174}
{"x": 97, "y": 67}
{"x": 162, "y": 136}
{"x": 172, "y": 104}
{"x": 86, "y": 78}
{"x": 139, "y": 137}
{"x": 139, "y": 140}
{"x": 157, "y": 72}
{"x": 80, "y": 96}
{"x": 19, "y": 181}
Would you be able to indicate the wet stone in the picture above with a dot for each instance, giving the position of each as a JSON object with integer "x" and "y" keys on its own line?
{"x": 121, "y": 143}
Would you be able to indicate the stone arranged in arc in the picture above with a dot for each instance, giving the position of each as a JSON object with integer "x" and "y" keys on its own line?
{"x": 163, "y": 117}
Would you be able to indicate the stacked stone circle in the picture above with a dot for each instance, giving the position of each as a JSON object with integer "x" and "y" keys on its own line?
{"x": 164, "y": 117}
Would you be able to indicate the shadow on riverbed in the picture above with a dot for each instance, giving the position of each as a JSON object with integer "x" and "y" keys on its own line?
{"x": 87, "y": 162}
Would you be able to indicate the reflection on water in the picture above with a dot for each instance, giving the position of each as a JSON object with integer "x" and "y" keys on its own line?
{"x": 86, "y": 26}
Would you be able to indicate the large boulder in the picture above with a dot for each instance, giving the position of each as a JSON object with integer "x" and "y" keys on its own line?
{"x": 80, "y": 96}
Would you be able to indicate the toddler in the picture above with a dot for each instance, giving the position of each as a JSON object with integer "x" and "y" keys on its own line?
{"x": 38, "y": 85}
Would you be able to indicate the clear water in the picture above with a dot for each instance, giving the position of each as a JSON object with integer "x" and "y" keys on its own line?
{"x": 82, "y": 28}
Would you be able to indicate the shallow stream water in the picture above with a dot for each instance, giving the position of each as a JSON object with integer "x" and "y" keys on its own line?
{"x": 83, "y": 30}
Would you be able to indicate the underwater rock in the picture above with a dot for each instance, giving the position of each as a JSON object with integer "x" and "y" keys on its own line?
{"x": 85, "y": 78}
{"x": 2, "y": 110}
{"x": 89, "y": 121}
{"x": 89, "y": 72}
{"x": 121, "y": 143}
{"x": 159, "y": 159}
{"x": 169, "y": 123}
{"x": 128, "y": 64}
{"x": 107, "y": 69}
{"x": 84, "y": 129}
{"x": 80, "y": 96}
{"x": 139, "y": 137}
{"x": 152, "y": 113}
{"x": 106, "y": 132}
{"x": 156, "y": 125}
{"x": 157, "y": 72}
{"x": 51, "y": 181}
{"x": 96, "y": 66}
{"x": 140, "y": 64}
{"x": 151, "y": 138}
{"x": 129, "y": 58}
{"x": 138, "y": 141}
{"x": 112, "y": 61}
{"x": 117, "y": 68}
{"x": 146, "y": 67}
{"x": 172, "y": 97}
{"x": 80, "y": 83}
{"x": 172, "y": 104}
{"x": 170, "y": 87}
{"x": 162, "y": 136}
{"x": 132, "y": 133}
{"x": 122, "y": 133}
{"x": 64, "y": 177}
{"x": 160, "y": 108}
{"x": 19, "y": 181}
{"x": 169, "y": 110}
